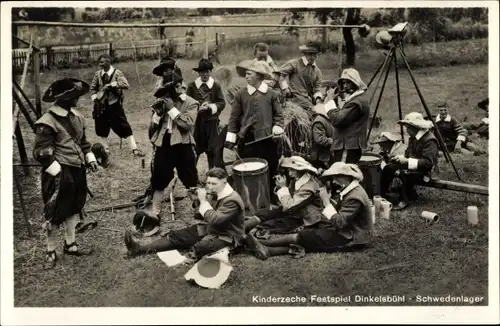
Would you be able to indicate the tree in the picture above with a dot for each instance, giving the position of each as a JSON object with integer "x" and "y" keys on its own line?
{"x": 336, "y": 15}
{"x": 294, "y": 18}
{"x": 429, "y": 22}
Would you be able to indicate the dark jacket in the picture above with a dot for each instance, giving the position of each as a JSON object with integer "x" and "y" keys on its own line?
{"x": 54, "y": 143}
{"x": 423, "y": 151}
{"x": 303, "y": 202}
{"x": 353, "y": 216}
{"x": 257, "y": 113}
{"x": 451, "y": 130}
{"x": 118, "y": 83}
{"x": 322, "y": 134}
{"x": 225, "y": 217}
{"x": 350, "y": 122}
{"x": 213, "y": 96}
{"x": 184, "y": 113}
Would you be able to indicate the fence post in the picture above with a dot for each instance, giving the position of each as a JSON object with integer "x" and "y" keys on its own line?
{"x": 221, "y": 41}
{"x": 206, "y": 44}
{"x": 111, "y": 50}
{"x": 50, "y": 57}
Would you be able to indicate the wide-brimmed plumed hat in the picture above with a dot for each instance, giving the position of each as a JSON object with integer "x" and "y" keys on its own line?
{"x": 341, "y": 168}
{"x": 352, "y": 75}
{"x": 298, "y": 163}
{"x": 165, "y": 63}
{"x": 259, "y": 67}
{"x": 310, "y": 47}
{"x": 65, "y": 89}
{"x": 170, "y": 81}
{"x": 204, "y": 65}
{"x": 417, "y": 120}
{"x": 387, "y": 136}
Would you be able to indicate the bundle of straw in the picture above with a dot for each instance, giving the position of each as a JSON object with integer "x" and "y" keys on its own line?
{"x": 298, "y": 123}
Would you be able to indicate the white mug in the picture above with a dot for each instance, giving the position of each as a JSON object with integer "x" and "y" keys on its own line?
{"x": 472, "y": 216}
{"x": 385, "y": 209}
{"x": 429, "y": 217}
{"x": 376, "y": 203}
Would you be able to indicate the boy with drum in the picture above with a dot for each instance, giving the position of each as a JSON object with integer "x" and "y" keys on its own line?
{"x": 256, "y": 117}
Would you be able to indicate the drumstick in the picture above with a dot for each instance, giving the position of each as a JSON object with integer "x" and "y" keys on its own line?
{"x": 258, "y": 140}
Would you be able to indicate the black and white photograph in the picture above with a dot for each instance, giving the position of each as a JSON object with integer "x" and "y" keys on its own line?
{"x": 330, "y": 160}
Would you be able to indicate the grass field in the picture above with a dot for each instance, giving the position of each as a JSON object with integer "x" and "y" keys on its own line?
{"x": 408, "y": 257}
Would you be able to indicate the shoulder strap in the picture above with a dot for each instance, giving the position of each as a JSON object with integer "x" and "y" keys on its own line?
{"x": 70, "y": 129}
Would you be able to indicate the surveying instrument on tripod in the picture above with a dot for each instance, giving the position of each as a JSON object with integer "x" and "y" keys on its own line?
{"x": 392, "y": 41}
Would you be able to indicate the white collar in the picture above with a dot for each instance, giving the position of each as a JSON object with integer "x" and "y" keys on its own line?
{"x": 60, "y": 111}
{"x": 210, "y": 82}
{"x": 225, "y": 192}
{"x": 302, "y": 180}
{"x": 183, "y": 97}
{"x": 109, "y": 72}
{"x": 347, "y": 189}
{"x": 305, "y": 62}
{"x": 447, "y": 119}
{"x": 353, "y": 95}
{"x": 269, "y": 60}
{"x": 262, "y": 88}
{"x": 420, "y": 134}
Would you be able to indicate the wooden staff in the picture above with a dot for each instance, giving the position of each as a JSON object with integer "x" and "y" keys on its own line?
{"x": 15, "y": 115}
{"x": 23, "y": 206}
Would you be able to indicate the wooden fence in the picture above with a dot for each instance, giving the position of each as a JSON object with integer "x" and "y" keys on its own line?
{"x": 76, "y": 56}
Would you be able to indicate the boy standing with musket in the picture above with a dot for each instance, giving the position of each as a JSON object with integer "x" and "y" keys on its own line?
{"x": 171, "y": 132}
{"x": 106, "y": 91}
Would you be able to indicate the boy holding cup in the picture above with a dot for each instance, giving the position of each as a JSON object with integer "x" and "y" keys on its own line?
{"x": 349, "y": 221}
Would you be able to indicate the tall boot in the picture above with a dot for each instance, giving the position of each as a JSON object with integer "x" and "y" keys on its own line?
{"x": 158, "y": 196}
{"x": 135, "y": 248}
